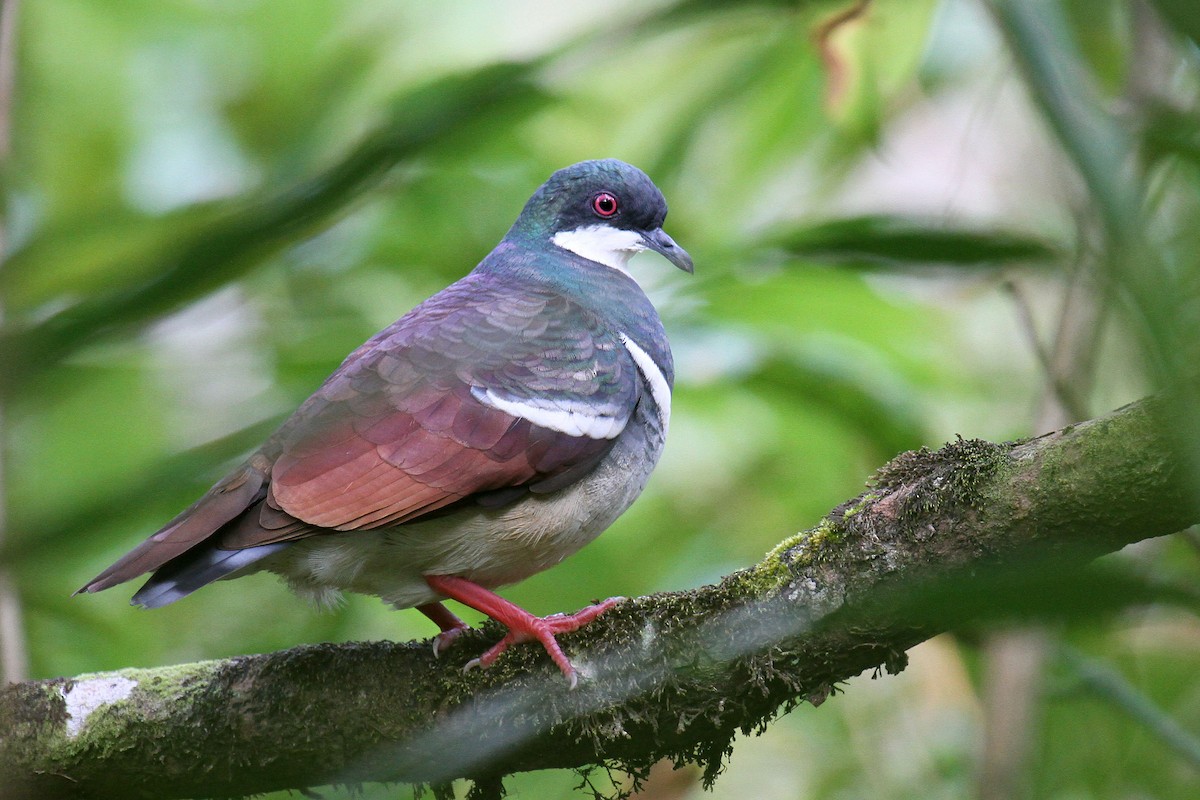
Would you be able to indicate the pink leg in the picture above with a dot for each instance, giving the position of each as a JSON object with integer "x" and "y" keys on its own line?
{"x": 522, "y": 626}
{"x": 451, "y": 625}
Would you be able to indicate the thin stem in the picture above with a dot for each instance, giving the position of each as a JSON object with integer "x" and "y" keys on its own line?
{"x": 14, "y": 655}
{"x": 1110, "y": 686}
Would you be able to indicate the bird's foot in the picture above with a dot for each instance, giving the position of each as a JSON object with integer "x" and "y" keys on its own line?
{"x": 522, "y": 626}
{"x": 452, "y": 627}
{"x": 528, "y": 628}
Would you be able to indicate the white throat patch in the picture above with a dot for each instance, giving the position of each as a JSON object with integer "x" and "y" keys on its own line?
{"x": 603, "y": 244}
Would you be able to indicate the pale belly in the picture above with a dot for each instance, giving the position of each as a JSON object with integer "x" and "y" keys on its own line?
{"x": 489, "y": 547}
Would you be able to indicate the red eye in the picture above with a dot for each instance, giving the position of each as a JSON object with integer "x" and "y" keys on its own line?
{"x": 604, "y": 204}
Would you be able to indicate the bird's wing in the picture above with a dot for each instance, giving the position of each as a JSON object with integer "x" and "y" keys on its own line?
{"x": 474, "y": 392}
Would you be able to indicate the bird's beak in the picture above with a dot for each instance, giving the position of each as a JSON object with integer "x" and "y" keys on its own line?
{"x": 658, "y": 241}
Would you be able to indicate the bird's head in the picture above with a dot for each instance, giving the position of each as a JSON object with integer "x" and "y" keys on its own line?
{"x": 605, "y": 211}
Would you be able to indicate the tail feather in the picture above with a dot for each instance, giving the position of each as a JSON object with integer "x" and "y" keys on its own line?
{"x": 193, "y": 570}
{"x": 222, "y": 503}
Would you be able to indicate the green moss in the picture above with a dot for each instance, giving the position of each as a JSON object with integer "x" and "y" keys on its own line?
{"x": 817, "y": 546}
{"x": 856, "y": 507}
{"x": 781, "y": 564}
{"x": 935, "y": 481}
{"x": 172, "y": 681}
{"x": 774, "y": 560}
{"x": 157, "y": 690}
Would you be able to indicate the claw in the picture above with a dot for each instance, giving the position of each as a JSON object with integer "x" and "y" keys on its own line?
{"x": 442, "y": 642}
{"x": 452, "y": 627}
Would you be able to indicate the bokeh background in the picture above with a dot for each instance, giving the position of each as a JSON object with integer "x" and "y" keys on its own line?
{"x": 911, "y": 219}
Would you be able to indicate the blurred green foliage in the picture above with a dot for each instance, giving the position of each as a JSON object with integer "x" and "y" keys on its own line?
{"x": 209, "y": 203}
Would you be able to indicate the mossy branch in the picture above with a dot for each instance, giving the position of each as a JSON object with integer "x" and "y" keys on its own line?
{"x": 939, "y": 537}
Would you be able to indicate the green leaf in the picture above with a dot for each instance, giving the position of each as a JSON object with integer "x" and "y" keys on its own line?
{"x": 877, "y": 241}
{"x": 225, "y": 249}
{"x": 1171, "y": 131}
{"x": 1181, "y": 14}
{"x": 868, "y": 403}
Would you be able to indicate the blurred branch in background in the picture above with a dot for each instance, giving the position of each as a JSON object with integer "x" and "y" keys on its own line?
{"x": 1043, "y": 47}
{"x": 1107, "y": 684}
{"x": 223, "y": 250}
{"x": 1125, "y": 265}
{"x": 1013, "y": 674}
{"x": 971, "y": 532}
{"x": 1015, "y": 659}
{"x": 14, "y": 657}
{"x": 1105, "y": 153}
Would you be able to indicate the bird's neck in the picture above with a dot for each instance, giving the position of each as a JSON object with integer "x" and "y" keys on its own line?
{"x": 613, "y": 295}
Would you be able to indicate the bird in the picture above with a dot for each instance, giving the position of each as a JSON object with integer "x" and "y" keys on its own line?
{"x": 489, "y": 433}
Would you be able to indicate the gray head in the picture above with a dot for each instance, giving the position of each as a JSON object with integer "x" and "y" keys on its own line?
{"x": 603, "y": 210}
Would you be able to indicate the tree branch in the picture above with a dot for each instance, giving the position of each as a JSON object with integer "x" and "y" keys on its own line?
{"x": 939, "y": 538}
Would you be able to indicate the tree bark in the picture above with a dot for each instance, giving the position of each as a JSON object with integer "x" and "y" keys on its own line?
{"x": 938, "y": 540}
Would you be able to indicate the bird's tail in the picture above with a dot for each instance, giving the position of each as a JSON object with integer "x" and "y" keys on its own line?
{"x": 197, "y": 568}
{"x": 222, "y": 503}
